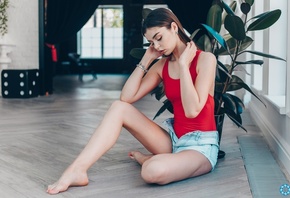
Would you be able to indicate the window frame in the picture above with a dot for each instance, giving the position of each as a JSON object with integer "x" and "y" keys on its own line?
{"x": 279, "y": 99}
{"x": 102, "y": 35}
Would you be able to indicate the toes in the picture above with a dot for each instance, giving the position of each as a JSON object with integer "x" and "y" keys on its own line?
{"x": 55, "y": 189}
{"x": 133, "y": 154}
{"x": 50, "y": 187}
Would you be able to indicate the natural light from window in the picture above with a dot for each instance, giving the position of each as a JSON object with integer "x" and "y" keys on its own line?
{"x": 102, "y": 36}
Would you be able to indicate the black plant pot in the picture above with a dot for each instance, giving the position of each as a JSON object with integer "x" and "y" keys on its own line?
{"x": 219, "y": 119}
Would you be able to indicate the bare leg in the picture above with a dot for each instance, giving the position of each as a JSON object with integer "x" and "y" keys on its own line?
{"x": 166, "y": 168}
{"x": 125, "y": 115}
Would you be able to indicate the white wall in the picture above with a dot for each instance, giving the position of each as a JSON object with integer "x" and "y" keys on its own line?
{"x": 23, "y": 33}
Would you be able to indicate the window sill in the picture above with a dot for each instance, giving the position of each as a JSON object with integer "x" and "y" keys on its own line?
{"x": 278, "y": 103}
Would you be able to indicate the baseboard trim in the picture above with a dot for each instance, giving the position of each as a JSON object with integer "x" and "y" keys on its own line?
{"x": 264, "y": 175}
{"x": 276, "y": 143}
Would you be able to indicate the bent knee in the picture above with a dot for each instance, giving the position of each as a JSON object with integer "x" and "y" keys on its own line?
{"x": 154, "y": 173}
{"x": 119, "y": 105}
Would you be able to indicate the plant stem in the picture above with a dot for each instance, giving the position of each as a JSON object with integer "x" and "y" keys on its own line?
{"x": 227, "y": 82}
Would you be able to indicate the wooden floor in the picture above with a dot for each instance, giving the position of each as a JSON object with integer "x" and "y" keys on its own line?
{"x": 41, "y": 136}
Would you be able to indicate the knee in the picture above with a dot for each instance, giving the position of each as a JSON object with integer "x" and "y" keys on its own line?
{"x": 119, "y": 106}
{"x": 154, "y": 173}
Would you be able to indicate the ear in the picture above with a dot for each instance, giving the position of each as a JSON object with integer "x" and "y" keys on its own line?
{"x": 174, "y": 27}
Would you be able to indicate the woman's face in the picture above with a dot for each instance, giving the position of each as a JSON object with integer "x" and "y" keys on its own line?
{"x": 162, "y": 39}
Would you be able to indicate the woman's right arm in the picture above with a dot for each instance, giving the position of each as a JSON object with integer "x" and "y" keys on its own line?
{"x": 138, "y": 84}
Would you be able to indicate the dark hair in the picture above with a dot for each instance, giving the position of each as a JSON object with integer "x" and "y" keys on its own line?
{"x": 163, "y": 17}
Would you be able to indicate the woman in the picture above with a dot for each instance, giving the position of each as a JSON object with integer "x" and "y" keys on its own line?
{"x": 190, "y": 146}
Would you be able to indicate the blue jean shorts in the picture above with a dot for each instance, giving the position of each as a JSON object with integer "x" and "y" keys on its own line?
{"x": 203, "y": 142}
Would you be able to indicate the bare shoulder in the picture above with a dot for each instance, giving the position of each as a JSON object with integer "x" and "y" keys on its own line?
{"x": 207, "y": 59}
{"x": 207, "y": 56}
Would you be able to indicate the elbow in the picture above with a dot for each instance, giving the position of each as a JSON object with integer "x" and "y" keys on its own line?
{"x": 125, "y": 99}
{"x": 122, "y": 98}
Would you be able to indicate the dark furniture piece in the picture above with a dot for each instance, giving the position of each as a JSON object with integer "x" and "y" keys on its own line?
{"x": 82, "y": 66}
{"x": 20, "y": 83}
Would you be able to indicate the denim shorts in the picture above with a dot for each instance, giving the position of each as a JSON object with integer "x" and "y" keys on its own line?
{"x": 203, "y": 142}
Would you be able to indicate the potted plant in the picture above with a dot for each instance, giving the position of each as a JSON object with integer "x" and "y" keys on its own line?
{"x": 233, "y": 43}
{"x": 4, "y": 4}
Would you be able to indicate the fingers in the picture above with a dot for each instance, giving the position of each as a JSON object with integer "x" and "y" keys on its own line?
{"x": 191, "y": 44}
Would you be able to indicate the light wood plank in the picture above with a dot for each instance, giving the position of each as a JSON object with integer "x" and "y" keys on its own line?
{"x": 41, "y": 136}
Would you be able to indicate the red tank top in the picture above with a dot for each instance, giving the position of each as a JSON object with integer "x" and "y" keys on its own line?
{"x": 204, "y": 121}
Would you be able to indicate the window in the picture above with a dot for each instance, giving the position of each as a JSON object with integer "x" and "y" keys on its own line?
{"x": 102, "y": 36}
{"x": 276, "y": 87}
{"x": 258, "y": 45}
{"x": 270, "y": 79}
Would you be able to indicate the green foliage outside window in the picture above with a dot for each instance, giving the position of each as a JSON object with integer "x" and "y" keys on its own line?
{"x": 4, "y": 4}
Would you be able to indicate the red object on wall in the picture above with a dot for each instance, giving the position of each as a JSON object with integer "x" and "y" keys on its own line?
{"x": 53, "y": 52}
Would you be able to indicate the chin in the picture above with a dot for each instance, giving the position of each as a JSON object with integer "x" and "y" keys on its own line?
{"x": 167, "y": 55}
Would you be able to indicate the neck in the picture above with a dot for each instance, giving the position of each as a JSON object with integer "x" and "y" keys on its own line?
{"x": 178, "y": 51}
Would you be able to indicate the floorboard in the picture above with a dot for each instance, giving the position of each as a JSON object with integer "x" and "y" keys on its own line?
{"x": 41, "y": 136}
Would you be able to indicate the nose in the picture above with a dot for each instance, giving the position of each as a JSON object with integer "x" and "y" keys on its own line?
{"x": 156, "y": 45}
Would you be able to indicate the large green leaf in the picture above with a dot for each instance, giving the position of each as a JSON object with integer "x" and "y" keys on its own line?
{"x": 229, "y": 103}
{"x": 245, "y": 8}
{"x": 259, "y": 16}
{"x": 235, "y": 26}
{"x": 237, "y": 83}
{"x": 255, "y": 62}
{"x": 241, "y": 68}
{"x": 216, "y": 35}
{"x": 227, "y": 8}
{"x": 214, "y": 17}
{"x": 251, "y": 2}
{"x": 204, "y": 43}
{"x": 238, "y": 102}
{"x": 262, "y": 54}
{"x": 158, "y": 91}
{"x": 233, "y": 7}
{"x": 265, "y": 20}
{"x": 222, "y": 72}
{"x": 166, "y": 106}
{"x": 232, "y": 44}
{"x": 236, "y": 118}
{"x": 193, "y": 35}
{"x": 225, "y": 67}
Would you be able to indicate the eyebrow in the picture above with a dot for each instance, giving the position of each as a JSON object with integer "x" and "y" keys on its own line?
{"x": 154, "y": 36}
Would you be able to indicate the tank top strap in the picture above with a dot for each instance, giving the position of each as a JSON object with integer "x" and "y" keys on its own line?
{"x": 165, "y": 73}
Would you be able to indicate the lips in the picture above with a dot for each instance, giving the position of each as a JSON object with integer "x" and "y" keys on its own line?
{"x": 162, "y": 51}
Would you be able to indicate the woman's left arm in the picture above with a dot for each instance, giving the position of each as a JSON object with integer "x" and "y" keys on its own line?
{"x": 194, "y": 96}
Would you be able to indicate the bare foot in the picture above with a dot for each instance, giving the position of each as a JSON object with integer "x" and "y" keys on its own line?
{"x": 139, "y": 157}
{"x": 69, "y": 178}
